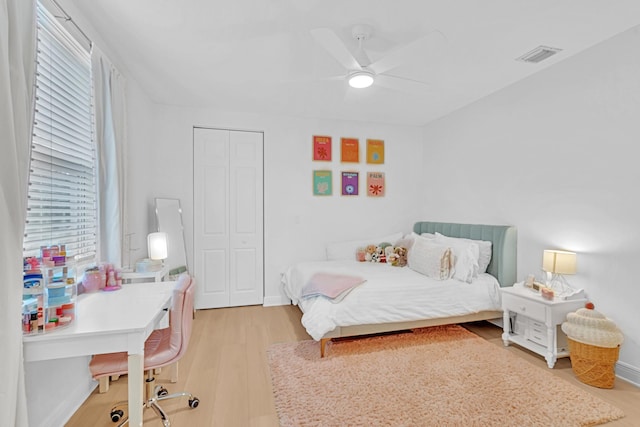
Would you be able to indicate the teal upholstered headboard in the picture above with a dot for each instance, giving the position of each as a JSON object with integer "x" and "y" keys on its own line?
{"x": 504, "y": 238}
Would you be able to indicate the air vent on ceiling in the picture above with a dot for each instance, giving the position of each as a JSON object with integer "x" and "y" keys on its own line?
{"x": 539, "y": 54}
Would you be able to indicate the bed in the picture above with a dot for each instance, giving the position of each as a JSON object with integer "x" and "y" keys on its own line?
{"x": 399, "y": 298}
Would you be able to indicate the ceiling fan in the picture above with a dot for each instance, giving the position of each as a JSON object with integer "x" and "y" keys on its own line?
{"x": 361, "y": 72}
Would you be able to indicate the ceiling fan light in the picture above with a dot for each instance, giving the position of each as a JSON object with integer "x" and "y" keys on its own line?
{"x": 360, "y": 79}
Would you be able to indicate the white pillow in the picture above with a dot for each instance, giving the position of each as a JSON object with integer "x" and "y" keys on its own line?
{"x": 466, "y": 254}
{"x": 430, "y": 258}
{"x": 347, "y": 250}
{"x": 405, "y": 242}
{"x": 484, "y": 247}
{"x": 408, "y": 239}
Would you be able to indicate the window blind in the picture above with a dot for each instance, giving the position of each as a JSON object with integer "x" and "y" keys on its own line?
{"x": 62, "y": 203}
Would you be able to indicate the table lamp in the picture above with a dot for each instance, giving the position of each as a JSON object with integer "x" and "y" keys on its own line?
{"x": 556, "y": 264}
{"x": 157, "y": 245}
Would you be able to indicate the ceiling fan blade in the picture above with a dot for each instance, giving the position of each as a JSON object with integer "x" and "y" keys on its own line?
{"x": 332, "y": 43}
{"x": 401, "y": 83}
{"x": 427, "y": 44}
{"x": 312, "y": 79}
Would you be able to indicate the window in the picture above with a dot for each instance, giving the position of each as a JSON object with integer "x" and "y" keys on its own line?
{"x": 62, "y": 204}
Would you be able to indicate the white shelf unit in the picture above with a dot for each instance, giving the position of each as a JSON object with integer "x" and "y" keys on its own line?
{"x": 53, "y": 302}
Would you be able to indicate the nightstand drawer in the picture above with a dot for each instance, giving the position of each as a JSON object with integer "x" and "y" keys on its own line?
{"x": 538, "y": 327}
{"x": 537, "y": 332}
{"x": 529, "y": 308}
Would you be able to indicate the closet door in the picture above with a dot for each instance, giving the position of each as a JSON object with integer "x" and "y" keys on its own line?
{"x": 228, "y": 217}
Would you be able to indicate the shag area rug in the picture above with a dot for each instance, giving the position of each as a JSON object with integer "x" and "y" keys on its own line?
{"x": 439, "y": 376}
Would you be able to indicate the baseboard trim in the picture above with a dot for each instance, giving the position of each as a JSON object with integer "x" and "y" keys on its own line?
{"x": 628, "y": 373}
{"x": 72, "y": 402}
{"x": 277, "y": 300}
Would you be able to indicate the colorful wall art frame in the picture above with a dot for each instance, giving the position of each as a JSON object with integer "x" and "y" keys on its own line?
{"x": 322, "y": 183}
{"x": 322, "y": 148}
{"x": 350, "y": 150}
{"x": 350, "y": 183}
{"x": 375, "y": 184}
{"x": 375, "y": 151}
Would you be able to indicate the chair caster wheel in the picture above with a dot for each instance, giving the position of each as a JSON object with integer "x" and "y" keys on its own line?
{"x": 193, "y": 403}
{"x": 116, "y": 415}
{"x": 162, "y": 392}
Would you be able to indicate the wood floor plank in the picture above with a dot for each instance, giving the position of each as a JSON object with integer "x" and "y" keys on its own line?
{"x": 226, "y": 367}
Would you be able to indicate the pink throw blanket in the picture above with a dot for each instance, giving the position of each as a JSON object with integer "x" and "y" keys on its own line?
{"x": 332, "y": 286}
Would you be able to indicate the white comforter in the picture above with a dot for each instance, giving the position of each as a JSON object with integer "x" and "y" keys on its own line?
{"x": 390, "y": 294}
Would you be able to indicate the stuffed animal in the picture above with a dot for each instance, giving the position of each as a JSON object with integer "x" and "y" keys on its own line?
{"x": 388, "y": 253}
{"x": 381, "y": 255}
{"x": 377, "y": 255}
{"x": 369, "y": 251}
{"x": 399, "y": 256}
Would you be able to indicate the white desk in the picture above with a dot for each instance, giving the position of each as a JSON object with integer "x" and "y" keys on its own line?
{"x": 109, "y": 322}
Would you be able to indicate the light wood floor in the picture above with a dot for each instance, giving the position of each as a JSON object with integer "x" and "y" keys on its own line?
{"x": 226, "y": 368}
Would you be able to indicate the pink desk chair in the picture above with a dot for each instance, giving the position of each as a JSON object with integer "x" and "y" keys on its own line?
{"x": 163, "y": 347}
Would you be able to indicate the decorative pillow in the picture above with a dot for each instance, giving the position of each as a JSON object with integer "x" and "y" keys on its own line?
{"x": 484, "y": 246}
{"x": 347, "y": 250}
{"x": 431, "y": 259}
{"x": 465, "y": 264}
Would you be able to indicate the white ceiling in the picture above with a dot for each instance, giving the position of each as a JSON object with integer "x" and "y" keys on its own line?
{"x": 259, "y": 55}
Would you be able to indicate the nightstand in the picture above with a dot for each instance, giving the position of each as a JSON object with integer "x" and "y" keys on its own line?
{"x": 534, "y": 323}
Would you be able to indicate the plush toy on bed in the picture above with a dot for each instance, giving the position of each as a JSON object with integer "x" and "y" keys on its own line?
{"x": 369, "y": 251}
{"x": 378, "y": 255}
{"x": 399, "y": 257}
{"x": 375, "y": 253}
{"x": 388, "y": 253}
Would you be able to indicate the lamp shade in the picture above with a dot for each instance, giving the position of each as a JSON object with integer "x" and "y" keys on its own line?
{"x": 157, "y": 245}
{"x": 559, "y": 262}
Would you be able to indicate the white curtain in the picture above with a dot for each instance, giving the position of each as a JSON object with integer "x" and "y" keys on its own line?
{"x": 17, "y": 76}
{"x": 109, "y": 97}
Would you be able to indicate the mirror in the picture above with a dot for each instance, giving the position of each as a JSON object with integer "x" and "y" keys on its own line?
{"x": 169, "y": 220}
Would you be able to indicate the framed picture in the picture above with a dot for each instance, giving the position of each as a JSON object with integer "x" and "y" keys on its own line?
{"x": 375, "y": 184}
{"x": 322, "y": 183}
{"x": 349, "y": 183}
{"x": 322, "y": 148}
{"x": 375, "y": 151}
{"x": 350, "y": 150}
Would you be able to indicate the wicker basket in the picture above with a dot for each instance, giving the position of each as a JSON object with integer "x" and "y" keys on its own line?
{"x": 593, "y": 365}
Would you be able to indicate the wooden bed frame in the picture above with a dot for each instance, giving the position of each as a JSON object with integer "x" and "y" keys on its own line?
{"x": 502, "y": 266}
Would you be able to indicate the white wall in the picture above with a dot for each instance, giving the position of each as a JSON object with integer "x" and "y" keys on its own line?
{"x": 297, "y": 224}
{"x": 556, "y": 156}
